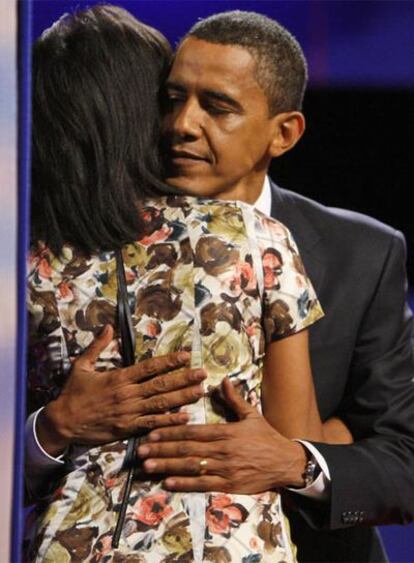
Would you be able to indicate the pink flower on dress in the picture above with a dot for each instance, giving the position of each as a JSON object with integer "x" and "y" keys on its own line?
{"x": 157, "y": 236}
{"x": 240, "y": 277}
{"x": 254, "y": 544}
{"x": 45, "y": 271}
{"x": 152, "y": 328}
{"x": 149, "y": 215}
{"x": 129, "y": 276}
{"x": 248, "y": 276}
{"x": 272, "y": 265}
{"x": 64, "y": 292}
{"x": 270, "y": 279}
{"x": 253, "y": 328}
{"x": 102, "y": 547}
{"x": 270, "y": 260}
{"x": 111, "y": 482}
{"x": 222, "y": 514}
{"x": 151, "y": 510}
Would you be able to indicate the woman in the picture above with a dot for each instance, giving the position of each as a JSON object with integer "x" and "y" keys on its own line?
{"x": 196, "y": 282}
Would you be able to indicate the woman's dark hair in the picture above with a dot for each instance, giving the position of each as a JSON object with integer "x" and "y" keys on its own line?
{"x": 96, "y": 80}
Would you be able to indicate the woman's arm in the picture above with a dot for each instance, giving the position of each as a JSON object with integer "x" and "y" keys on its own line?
{"x": 335, "y": 431}
{"x": 288, "y": 393}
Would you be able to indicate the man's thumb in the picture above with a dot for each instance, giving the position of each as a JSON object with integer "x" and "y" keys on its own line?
{"x": 88, "y": 358}
{"x": 240, "y": 407}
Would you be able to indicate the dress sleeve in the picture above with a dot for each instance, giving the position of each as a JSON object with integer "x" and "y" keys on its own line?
{"x": 47, "y": 363}
{"x": 290, "y": 303}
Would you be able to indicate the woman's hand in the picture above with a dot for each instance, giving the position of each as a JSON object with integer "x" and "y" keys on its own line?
{"x": 99, "y": 407}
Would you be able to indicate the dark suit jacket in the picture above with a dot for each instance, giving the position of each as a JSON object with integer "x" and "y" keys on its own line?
{"x": 363, "y": 366}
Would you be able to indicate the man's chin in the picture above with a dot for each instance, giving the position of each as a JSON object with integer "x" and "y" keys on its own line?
{"x": 190, "y": 186}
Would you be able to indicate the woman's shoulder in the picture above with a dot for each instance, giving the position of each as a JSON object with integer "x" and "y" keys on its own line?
{"x": 269, "y": 227}
{"x": 174, "y": 216}
{"x": 187, "y": 206}
{"x": 215, "y": 214}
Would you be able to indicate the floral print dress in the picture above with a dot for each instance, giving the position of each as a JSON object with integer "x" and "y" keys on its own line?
{"x": 218, "y": 278}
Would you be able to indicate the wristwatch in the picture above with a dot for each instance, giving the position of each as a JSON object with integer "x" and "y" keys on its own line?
{"x": 312, "y": 470}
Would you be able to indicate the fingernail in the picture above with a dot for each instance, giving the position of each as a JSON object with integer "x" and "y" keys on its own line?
{"x": 143, "y": 450}
{"x": 153, "y": 437}
{"x": 183, "y": 357}
{"x": 150, "y": 464}
{"x": 184, "y": 417}
{"x": 198, "y": 375}
{"x": 169, "y": 483}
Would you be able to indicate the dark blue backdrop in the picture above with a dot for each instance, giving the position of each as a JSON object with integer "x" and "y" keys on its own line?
{"x": 347, "y": 43}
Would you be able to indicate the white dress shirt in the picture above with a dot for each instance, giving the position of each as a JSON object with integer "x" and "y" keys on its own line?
{"x": 39, "y": 464}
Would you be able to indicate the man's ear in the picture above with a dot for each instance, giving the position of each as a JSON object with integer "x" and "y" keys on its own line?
{"x": 288, "y": 129}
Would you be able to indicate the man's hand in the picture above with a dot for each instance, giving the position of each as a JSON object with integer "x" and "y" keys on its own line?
{"x": 98, "y": 407}
{"x": 246, "y": 457}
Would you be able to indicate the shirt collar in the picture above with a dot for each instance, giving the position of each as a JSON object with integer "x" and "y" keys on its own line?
{"x": 264, "y": 201}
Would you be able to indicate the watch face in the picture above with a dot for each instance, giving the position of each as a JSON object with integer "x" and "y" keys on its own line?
{"x": 311, "y": 471}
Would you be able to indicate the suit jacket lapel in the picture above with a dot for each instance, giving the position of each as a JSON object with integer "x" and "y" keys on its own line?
{"x": 286, "y": 210}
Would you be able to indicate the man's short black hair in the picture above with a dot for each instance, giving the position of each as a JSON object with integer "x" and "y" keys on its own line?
{"x": 281, "y": 68}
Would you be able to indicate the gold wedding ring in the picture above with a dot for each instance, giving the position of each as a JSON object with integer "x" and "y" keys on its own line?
{"x": 203, "y": 466}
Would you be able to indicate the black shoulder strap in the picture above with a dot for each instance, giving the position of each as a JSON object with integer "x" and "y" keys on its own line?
{"x": 128, "y": 357}
{"x": 124, "y": 314}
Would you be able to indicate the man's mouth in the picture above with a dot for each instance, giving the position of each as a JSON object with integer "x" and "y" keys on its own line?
{"x": 181, "y": 157}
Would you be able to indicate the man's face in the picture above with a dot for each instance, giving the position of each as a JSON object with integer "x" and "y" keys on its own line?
{"x": 217, "y": 126}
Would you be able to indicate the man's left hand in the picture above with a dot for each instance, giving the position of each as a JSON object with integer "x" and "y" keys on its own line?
{"x": 246, "y": 457}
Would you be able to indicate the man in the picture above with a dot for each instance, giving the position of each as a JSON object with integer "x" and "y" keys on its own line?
{"x": 234, "y": 99}
{"x": 234, "y": 96}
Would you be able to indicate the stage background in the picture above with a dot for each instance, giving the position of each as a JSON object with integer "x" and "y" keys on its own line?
{"x": 357, "y": 152}
{"x": 8, "y": 269}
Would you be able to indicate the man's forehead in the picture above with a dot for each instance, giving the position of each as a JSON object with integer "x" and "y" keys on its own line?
{"x": 212, "y": 66}
{"x": 194, "y": 54}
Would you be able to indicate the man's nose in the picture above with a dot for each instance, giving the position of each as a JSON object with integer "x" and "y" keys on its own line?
{"x": 187, "y": 120}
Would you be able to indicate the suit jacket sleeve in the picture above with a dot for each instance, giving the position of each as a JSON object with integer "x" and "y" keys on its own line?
{"x": 373, "y": 479}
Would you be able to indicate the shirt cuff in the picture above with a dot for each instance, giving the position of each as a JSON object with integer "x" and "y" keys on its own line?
{"x": 37, "y": 459}
{"x": 320, "y": 489}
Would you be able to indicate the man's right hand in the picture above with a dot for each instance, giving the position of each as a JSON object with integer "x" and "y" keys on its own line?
{"x": 98, "y": 407}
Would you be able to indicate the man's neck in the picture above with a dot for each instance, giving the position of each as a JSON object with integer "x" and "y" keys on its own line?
{"x": 248, "y": 189}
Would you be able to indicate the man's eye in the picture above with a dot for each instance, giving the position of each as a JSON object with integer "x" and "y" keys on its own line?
{"x": 216, "y": 110}
{"x": 175, "y": 98}
{"x": 172, "y": 101}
